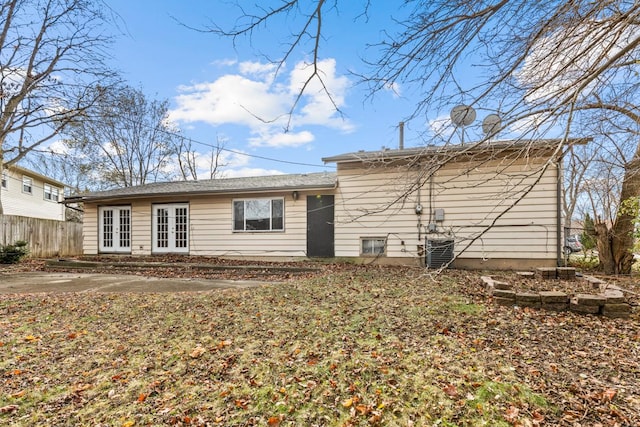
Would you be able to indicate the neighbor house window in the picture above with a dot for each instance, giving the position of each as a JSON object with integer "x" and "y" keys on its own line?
{"x": 372, "y": 246}
{"x": 258, "y": 215}
{"x": 4, "y": 180}
{"x": 27, "y": 185}
{"x": 51, "y": 193}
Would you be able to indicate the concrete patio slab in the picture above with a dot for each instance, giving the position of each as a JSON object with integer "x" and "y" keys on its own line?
{"x": 42, "y": 282}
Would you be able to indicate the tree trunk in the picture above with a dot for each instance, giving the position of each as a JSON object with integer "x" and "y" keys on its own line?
{"x": 615, "y": 244}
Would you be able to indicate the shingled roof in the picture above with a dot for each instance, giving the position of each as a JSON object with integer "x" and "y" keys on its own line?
{"x": 469, "y": 148}
{"x": 255, "y": 184}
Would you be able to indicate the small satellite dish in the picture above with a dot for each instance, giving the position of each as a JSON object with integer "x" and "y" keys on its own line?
{"x": 463, "y": 115}
{"x": 491, "y": 124}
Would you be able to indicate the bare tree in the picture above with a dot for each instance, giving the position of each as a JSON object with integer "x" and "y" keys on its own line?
{"x": 544, "y": 64}
{"x": 126, "y": 138}
{"x": 51, "y": 53}
{"x": 611, "y": 184}
{"x": 192, "y": 163}
{"x": 577, "y": 167}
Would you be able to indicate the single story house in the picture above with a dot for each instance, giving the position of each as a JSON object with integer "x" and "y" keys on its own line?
{"x": 485, "y": 205}
{"x": 30, "y": 194}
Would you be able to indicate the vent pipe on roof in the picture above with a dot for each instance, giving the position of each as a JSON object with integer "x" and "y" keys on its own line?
{"x": 401, "y": 141}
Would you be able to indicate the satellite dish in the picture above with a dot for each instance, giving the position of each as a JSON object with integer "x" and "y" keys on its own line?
{"x": 491, "y": 124}
{"x": 463, "y": 115}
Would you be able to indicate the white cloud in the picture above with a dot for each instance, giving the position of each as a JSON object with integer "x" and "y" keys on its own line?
{"x": 265, "y": 72}
{"x": 225, "y": 62}
{"x": 229, "y": 99}
{"x": 253, "y": 99}
{"x": 58, "y": 147}
{"x": 244, "y": 172}
{"x": 289, "y": 139}
{"x": 394, "y": 88}
{"x": 441, "y": 127}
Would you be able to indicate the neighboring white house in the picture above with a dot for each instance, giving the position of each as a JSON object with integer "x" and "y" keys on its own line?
{"x": 493, "y": 205}
{"x": 28, "y": 193}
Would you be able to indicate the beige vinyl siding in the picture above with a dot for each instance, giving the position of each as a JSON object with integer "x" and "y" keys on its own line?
{"x": 211, "y": 220}
{"x": 90, "y": 229}
{"x": 211, "y": 227}
{"x": 374, "y": 203}
{"x": 34, "y": 205}
{"x": 141, "y": 227}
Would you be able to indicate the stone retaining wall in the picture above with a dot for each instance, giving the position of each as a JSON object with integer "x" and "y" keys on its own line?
{"x": 608, "y": 301}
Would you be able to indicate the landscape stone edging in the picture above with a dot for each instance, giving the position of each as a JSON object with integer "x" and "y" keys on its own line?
{"x": 609, "y": 302}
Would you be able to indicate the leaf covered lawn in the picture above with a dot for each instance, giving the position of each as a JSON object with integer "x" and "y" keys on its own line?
{"x": 350, "y": 346}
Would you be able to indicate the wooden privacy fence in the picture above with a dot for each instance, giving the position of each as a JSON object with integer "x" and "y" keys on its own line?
{"x": 46, "y": 237}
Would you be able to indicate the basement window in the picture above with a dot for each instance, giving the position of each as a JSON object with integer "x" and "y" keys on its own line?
{"x": 373, "y": 246}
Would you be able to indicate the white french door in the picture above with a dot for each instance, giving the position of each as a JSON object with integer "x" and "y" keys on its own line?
{"x": 171, "y": 228}
{"x": 115, "y": 229}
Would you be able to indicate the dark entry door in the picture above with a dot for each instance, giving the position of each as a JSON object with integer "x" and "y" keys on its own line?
{"x": 320, "y": 226}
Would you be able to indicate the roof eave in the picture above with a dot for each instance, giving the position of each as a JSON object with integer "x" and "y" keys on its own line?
{"x": 409, "y": 153}
{"x": 37, "y": 175}
{"x": 106, "y": 198}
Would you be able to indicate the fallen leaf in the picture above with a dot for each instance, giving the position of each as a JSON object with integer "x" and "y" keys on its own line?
{"x": 197, "y": 352}
{"x": 363, "y": 409}
{"x": 608, "y": 394}
{"x": 8, "y": 409}
{"x": 79, "y": 388}
{"x": 347, "y": 403}
{"x": 223, "y": 344}
{"x": 511, "y": 414}
{"x": 538, "y": 418}
{"x": 274, "y": 421}
{"x": 240, "y": 403}
{"x": 450, "y": 390}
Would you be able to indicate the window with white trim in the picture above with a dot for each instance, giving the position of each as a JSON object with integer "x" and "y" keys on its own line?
{"x": 27, "y": 185}
{"x": 373, "y": 246}
{"x": 258, "y": 215}
{"x": 51, "y": 193}
{"x": 4, "y": 180}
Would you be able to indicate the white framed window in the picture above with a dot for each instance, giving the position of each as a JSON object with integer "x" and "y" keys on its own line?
{"x": 27, "y": 185}
{"x": 51, "y": 193}
{"x": 258, "y": 215}
{"x": 373, "y": 246}
{"x": 4, "y": 180}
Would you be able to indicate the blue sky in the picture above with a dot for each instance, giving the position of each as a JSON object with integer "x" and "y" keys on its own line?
{"x": 216, "y": 89}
